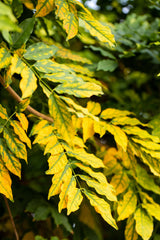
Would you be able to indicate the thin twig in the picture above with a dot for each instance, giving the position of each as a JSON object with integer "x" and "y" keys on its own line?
{"x": 11, "y": 218}
{"x": 29, "y": 108}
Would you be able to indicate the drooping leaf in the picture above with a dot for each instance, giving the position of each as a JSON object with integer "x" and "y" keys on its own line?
{"x": 62, "y": 118}
{"x": 23, "y": 121}
{"x": 144, "y": 223}
{"x": 127, "y": 206}
{"x": 5, "y": 58}
{"x": 44, "y": 7}
{"x": 3, "y": 113}
{"x": 26, "y": 29}
{"x": 79, "y": 89}
{"x": 101, "y": 207}
{"x": 5, "y": 181}
{"x": 112, "y": 113}
{"x": 53, "y": 146}
{"x": 126, "y": 121}
{"x": 120, "y": 182}
{"x": 130, "y": 232}
{"x": 107, "y": 65}
{"x": 57, "y": 163}
{"x": 88, "y": 129}
{"x": 39, "y": 51}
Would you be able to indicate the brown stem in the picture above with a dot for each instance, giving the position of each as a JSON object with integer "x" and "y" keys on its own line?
{"x": 11, "y": 218}
{"x": 29, "y": 108}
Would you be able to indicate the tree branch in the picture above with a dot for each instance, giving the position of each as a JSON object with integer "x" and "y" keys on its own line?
{"x": 11, "y": 218}
{"x": 29, "y": 108}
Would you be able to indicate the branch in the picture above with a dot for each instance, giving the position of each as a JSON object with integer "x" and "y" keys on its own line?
{"x": 29, "y": 108}
{"x": 11, "y": 218}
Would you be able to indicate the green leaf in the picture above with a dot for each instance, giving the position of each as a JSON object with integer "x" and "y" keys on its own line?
{"x": 144, "y": 223}
{"x": 79, "y": 89}
{"x": 102, "y": 207}
{"x": 127, "y": 206}
{"x": 62, "y": 118}
{"x": 38, "y": 51}
{"x": 17, "y": 8}
{"x": 26, "y": 29}
{"x": 107, "y": 65}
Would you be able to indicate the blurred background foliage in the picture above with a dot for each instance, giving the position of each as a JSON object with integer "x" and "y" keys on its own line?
{"x": 129, "y": 76}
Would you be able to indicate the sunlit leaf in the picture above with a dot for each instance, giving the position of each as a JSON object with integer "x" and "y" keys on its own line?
{"x": 53, "y": 146}
{"x": 23, "y": 120}
{"x": 124, "y": 120}
{"x": 153, "y": 209}
{"x": 57, "y": 163}
{"x": 102, "y": 207}
{"x": 5, "y": 58}
{"x": 44, "y": 7}
{"x": 112, "y": 113}
{"x": 94, "y": 107}
{"x": 88, "y": 130}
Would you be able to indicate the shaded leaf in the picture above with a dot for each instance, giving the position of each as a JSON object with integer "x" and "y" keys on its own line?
{"x": 130, "y": 232}
{"x": 153, "y": 209}
{"x": 23, "y": 121}
{"x": 107, "y": 65}
{"x": 88, "y": 130}
{"x": 44, "y": 7}
{"x": 120, "y": 182}
{"x": 3, "y": 112}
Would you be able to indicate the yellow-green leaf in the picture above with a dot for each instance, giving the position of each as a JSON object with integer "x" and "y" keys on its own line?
{"x": 153, "y": 209}
{"x": 126, "y": 121}
{"x": 53, "y": 146}
{"x": 112, "y": 113}
{"x": 21, "y": 133}
{"x": 120, "y": 182}
{"x": 102, "y": 189}
{"x": 147, "y": 144}
{"x": 130, "y": 232}
{"x": 102, "y": 207}
{"x": 67, "y": 12}
{"x": 22, "y": 105}
{"x": 44, "y": 7}
{"x": 5, "y": 58}
{"x": 62, "y": 118}
{"x": 57, "y": 163}
{"x": 88, "y": 130}
{"x": 96, "y": 29}
{"x": 23, "y": 120}
{"x": 80, "y": 69}
{"x": 5, "y": 181}
{"x": 39, "y": 126}
{"x": 79, "y": 89}
{"x": 86, "y": 158}
{"x": 127, "y": 206}
{"x": 144, "y": 223}
{"x": 3, "y": 112}
{"x": 94, "y": 107}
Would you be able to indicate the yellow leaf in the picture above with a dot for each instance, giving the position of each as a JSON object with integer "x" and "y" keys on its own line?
{"x": 147, "y": 144}
{"x": 5, "y": 181}
{"x": 57, "y": 163}
{"x": 120, "y": 182}
{"x": 124, "y": 120}
{"x": 101, "y": 188}
{"x": 112, "y": 113}
{"x": 144, "y": 223}
{"x": 127, "y": 206}
{"x": 153, "y": 154}
{"x": 44, "y": 7}
{"x": 3, "y": 112}
{"x": 67, "y": 12}
{"x": 96, "y": 29}
{"x": 100, "y": 127}
{"x": 94, "y": 107}
{"x": 23, "y": 120}
{"x": 21, "y": 133}
{"x": 86, "y": 158}
{"x": 62, "y": 118}
{"x": 15, "y": 146}
{"x": 39, "y": 126}
{"x": 110, "y": 162}
{"x": 28, "y": 4}
{"x": 88, "y": 130}
{"x": 16, "y": 65}
{"x": 102, "y": 207}
{"x": 5, "y": 58}
{"x": 153, "y": 209}
{"x": 79, "y": 142}
{"x": 10, "y": 161}
{"x": 130, "y": 232}
{"x": 53, "y": 146}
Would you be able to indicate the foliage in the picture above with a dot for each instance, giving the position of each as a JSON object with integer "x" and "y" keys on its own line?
{"x": 93, "y": 143}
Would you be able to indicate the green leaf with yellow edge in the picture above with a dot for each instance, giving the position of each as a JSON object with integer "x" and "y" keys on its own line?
{"x": 20, "y": 132}
{"x": 144, "y": 223}
{"x": 79, "y": 89}
{"x": 15, "y": 146}
{"x": 88, "y": 129}
{"x": 103, "y": 189}
{"x": 86, "y": 158}
{"x": 70, "y": 196}
{"x": 67, "y": 12}
{"x": 5, "y": 181}
{"x": 114, "y": 113}
{"x": 102, "y": 207}
{"x": 126, "y": 121}
{"x": 119, "y": 136}
{"x": 57, "y": 163}
{"x": 53, "y": 146}
{"x": 130, "y": 232}
{"x": 44, "y": 7}
{"x": 23, "y": 121}
{"x": 142, "y": 134}
{"x": 146, "y": 180}
{"x": 39, "y": 51}
{"x": 3, "y": 112}
{"x": 62, "y": 118}
{"x": 94, "y": 107}
{"x": 58, "y": 179}
{"x": 120, "y": 182}
{"x": 10, "y": 161}
{"x": 153, "y": 209}
{"x": 5, "y": 58}
{"x": 96, "y": 29}
{"x": 127, "y": 206}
